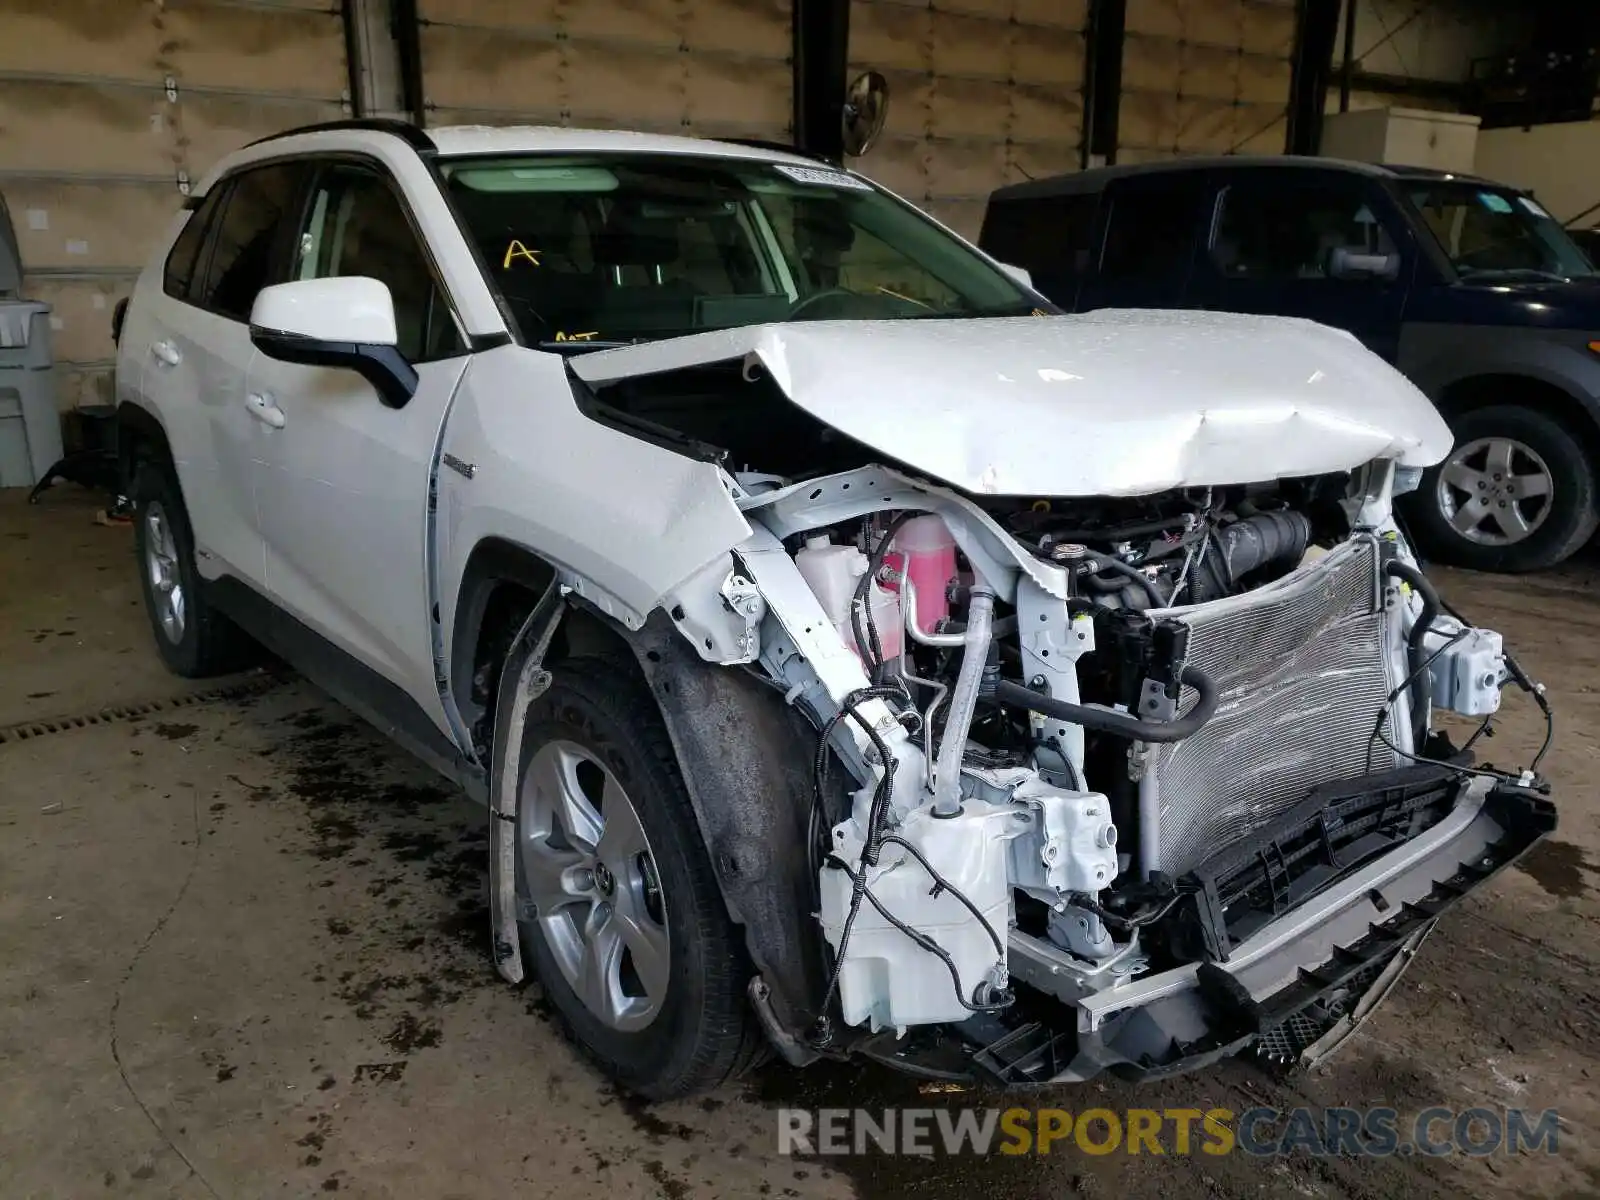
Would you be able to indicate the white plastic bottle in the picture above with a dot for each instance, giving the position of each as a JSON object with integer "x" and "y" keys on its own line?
{"x": 833, "y": 572}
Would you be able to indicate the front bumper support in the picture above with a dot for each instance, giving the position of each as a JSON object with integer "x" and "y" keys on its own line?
{"x": 1295, "y": 981}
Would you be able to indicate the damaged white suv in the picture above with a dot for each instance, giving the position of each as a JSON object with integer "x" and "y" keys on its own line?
{"x": 854, "y": 655}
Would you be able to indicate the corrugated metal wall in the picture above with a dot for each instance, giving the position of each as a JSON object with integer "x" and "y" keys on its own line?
{"x": 1205, "y": 77}
{"x": 107, "y": 105}
{"x": 982, "y": 93}
{"x": 711, "y": 67}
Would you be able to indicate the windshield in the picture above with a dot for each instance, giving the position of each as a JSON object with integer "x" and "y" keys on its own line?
{"x": 1489, "y": 231}
{"x": 622, "y": 248}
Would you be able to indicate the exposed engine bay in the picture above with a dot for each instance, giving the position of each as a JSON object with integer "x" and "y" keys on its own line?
{"x": 1099, "y": 747}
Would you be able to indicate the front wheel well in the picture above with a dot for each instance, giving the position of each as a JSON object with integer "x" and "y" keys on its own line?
{"x": 1555, "y": 402}
{"x": 500, "y": 588}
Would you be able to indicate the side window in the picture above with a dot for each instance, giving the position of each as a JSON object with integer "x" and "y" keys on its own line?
{"x": 1150, "y": 232}
{"x": 355, "y": 225}
{"x": 177, "y": 278}
{"x": 1280, "y": 232}
{"x": 1052, "y": 236}
{"x": 241, "y": 260}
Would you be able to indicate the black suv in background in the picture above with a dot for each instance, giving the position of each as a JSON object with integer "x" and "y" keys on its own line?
{"x": 1468, "y": 287}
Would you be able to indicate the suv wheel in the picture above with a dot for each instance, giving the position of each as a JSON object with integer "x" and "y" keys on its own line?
{"x": 1516, "y": 493}
{"x": 618, "y": 909}
{"x": 194, "y": 640}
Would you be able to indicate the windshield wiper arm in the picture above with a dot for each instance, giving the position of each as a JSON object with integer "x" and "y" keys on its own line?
{"x": 568, "y": 345}
{"x": 1511, "y": 273}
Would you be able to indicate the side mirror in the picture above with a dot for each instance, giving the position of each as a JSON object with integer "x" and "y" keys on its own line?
{"x": 1345, "y": 263}
{"x": 345, "y": 322}
{"x": 1020, "y": 274}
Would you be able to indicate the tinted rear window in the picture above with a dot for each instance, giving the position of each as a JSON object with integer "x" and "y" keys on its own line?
{"x": 1150, "y": 234}
{"x": 1052, "y": 236}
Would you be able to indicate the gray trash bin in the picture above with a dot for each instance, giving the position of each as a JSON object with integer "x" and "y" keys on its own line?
{"x": 30, "y": 425}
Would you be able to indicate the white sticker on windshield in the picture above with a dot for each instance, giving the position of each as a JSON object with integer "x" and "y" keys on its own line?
{"x": 1494, "y": 203}
{"x": 822, "y": 177}
{"x": 1532, "y": 205}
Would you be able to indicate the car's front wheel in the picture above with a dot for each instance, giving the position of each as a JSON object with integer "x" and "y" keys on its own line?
{"x": 618, "y": 907}
{"x": 1516, "y": 493}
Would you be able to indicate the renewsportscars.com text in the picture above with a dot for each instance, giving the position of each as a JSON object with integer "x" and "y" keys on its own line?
{"x": 1264, "y": 1132}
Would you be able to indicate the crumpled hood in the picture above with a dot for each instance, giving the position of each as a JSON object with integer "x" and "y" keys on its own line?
{"x": 1119, "y": 402}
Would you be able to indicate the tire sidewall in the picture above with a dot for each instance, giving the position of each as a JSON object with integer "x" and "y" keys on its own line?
{"x": 1572, "y": 514}
{"x": 154, "y": 483}
{"x": 650, "y": 1060}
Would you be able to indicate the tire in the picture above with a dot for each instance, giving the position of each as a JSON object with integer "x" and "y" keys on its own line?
{"x": 679, "y": 1022}
{"x": 194, "y": 640}
{"x": 1519, "y": 528}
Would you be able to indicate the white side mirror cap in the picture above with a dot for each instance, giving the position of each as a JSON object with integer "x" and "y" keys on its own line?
{"x": 348, "y": 308}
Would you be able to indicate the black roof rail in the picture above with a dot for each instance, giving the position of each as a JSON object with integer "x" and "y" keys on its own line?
{"x": 414, "y": 135}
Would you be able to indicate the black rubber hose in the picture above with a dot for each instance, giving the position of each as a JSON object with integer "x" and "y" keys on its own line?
{"x": 1119, "y": 724}
{"x": 1245, "y": 545}
{"x": 1104, "y": 562}
{"x": 1416, "y": 651}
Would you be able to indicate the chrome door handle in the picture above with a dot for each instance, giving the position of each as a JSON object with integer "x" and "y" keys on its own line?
{"x": 263, "y": 409}
{"x": 167, "y": 353}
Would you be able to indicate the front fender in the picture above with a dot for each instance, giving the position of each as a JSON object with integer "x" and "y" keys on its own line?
{"x": 745, "y": 757}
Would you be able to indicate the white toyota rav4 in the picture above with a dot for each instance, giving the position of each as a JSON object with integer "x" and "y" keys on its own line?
{"x": 854, "y": 655}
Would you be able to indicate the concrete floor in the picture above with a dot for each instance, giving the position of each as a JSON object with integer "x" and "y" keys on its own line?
{"x": 243, "y": 953}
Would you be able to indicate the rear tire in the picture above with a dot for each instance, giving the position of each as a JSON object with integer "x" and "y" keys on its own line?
{"x": 611, "y": 867}
{"x": 1516, "y": 493}
{"x": 193, "y": 639}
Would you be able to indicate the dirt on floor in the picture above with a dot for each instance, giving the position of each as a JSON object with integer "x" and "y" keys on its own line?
{"x": 243, "y": 952}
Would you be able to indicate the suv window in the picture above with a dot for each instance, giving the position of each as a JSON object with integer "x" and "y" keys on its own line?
{"x": 241, "y": 262}
{"x": 1052, "y": 236}
{"x": 177, "y": 278}
{"x": 355, "y": 225}
{"x": 1274, "y": 230}
{"x": 1150, "y": 232}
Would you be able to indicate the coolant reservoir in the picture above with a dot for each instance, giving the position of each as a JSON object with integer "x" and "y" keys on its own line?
{"x": 832, "y": 572}
{"x": 930, "y": 563}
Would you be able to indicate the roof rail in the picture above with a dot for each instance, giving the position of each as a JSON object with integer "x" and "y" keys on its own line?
{"x": 414, "y": 135}
{"x": 766, "y": 144}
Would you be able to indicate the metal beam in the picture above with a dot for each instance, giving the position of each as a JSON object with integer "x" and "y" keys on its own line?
{"x": 1102, "y": 80}
{"x": 821, "y": 61}
{"x": 1316, "y": 29}
{"x": 406, "y": 26}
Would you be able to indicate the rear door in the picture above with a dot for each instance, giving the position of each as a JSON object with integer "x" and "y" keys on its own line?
{"x": 198, "y": 347}
{"x": 1275, "y": 248}
{"x": 1150, "y": 230}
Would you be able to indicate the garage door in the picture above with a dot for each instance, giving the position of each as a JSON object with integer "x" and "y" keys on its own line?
{"x": 982, "y": 93}
{"x": 1205, "y": 77}
{"x": 107, "y": 110}
{"x": 715, "y": 68}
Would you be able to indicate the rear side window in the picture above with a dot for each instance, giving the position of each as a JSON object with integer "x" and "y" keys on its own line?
{"x": 1051, "y": 236}
{"x": 241, "y": 260}
{"x": 1150, "y": 233}
{"x": 178, "y": 278}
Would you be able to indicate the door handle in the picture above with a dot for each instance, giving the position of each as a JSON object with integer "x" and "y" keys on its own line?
{"x": 167, "y": 353}
{"x": 263, "y": 409}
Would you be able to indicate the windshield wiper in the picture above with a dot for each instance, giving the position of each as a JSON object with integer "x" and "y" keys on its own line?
{"x": 574, "y": 346}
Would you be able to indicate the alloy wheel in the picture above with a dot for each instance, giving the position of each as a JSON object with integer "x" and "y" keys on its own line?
{"x": 161, "y": 565}
{"x": 1495, "y": 491}
{"x": 590, "y": 881}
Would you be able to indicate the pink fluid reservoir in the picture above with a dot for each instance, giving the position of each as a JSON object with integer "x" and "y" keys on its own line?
{"x": 930, "y": 563}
